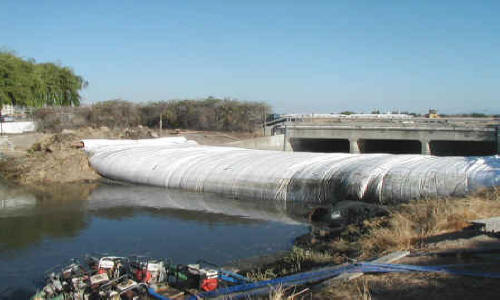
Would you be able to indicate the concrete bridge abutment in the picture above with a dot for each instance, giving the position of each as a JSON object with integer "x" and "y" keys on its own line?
{"x": 426, "y": 147}
{"x": 498, "y": 139}
{"x": 354, "y": 146}
{"x": 426, "y": 140}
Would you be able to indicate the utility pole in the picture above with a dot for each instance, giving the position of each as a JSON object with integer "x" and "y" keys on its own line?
{"x": 264, "y": 121}
{"x": 284, "y": 139}
{"x": 161, "y": 123}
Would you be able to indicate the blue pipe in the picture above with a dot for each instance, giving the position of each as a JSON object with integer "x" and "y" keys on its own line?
{"x": 230, "y": 279}
{"x": 155, "y": 295}
{"x": 322, "y": 274}
{"x": 295, "y": 279}
{"x": 235, "y": 275}
{"x": 367, "y": 267}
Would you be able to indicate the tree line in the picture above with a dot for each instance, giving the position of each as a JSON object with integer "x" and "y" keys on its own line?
{"x": 205, "y": 114}
{"x": 27, "y": 83}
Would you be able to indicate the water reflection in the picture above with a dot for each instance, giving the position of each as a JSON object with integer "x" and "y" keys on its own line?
{"x": 43, "y": 229}
{"x": 116, "y": 201}
{"x": 13, "y": 199}
{"x": 26, "y": 217}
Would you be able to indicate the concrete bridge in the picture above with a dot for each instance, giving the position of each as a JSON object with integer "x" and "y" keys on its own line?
{"x": 454, "y": 136}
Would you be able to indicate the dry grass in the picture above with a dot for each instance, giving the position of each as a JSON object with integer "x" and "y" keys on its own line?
{"x": 363, "y": 291}
{"x": 290, "y": 293}
{"x": 412, "y": 286}
{"x": 298, "y": 256}
{"x": 298, "y": 259}
{"x": 261, "y": 274}
{"x": 277, "y": 293}
{"x": 407, "y": 227}
{"x": 410, "y": 224}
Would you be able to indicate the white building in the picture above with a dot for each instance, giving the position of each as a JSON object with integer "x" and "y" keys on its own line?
{"x": 8, "y": 110}
{"x": 18, "y": 112}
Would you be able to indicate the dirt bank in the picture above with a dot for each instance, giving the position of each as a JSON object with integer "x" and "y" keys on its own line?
{"x": 36, "y": 158}
{"x": 434, "y": 231}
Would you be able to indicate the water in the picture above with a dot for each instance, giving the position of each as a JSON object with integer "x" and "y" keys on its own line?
{"x": 42, "y": 230}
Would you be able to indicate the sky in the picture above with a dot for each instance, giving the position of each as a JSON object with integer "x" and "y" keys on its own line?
{"x": 299, "y": 56}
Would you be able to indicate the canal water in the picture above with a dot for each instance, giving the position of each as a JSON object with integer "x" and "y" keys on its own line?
{"x": 41, "y": 230}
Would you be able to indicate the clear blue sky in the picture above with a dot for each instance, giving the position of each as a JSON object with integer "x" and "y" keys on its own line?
{"x": 300, "y": 56}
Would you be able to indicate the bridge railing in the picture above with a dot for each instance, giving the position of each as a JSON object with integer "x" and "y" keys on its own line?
{"x": 408, "y": 122}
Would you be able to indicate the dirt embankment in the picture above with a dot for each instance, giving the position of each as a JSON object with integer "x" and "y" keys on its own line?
{"x": 36, "y": 159}
{"x": 435, "y": 232}
{"x": 52, "y": 159}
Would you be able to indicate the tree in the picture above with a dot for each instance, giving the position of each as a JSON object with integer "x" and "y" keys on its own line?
{"x": 24, "y": 82}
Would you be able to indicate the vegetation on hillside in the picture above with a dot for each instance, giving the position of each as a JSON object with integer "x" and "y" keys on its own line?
{"x": 27, "y": 83}
{"x": 208, "y": 114}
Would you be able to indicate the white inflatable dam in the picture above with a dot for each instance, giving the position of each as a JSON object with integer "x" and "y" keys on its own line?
{"x": 289, "y": 176}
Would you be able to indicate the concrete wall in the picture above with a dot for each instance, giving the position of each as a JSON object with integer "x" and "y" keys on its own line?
{"x": 498, "y": 139}
{"x": 356, "y": 135}
{"x": 17, "y": 127}
{"x": 275, "y": 142}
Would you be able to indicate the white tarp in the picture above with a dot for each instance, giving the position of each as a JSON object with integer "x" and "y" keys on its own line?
{"x": 92, "y": 145}
{"x": 290, "y": 176}
{"x": 17, "y": 127}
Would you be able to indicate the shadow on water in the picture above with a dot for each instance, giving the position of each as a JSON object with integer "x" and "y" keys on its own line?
{"x": 44, "y": 228}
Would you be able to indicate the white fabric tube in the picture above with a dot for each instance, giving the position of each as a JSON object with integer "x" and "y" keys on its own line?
{"x": 290, "y": 176}
{"x": 91, "y": 145}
